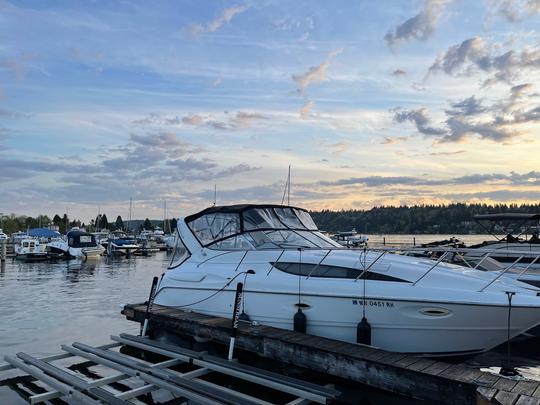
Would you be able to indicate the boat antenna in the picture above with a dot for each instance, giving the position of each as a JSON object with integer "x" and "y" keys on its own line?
{"x": 130, "y": 207}
{"x": 287, "y": 189}
{"x": 299, "y": 277}
{"x": 215, "y": 194}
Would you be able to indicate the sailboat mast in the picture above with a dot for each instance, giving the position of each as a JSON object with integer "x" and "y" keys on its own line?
{"x": 289, "y": 187}
{"x": 130, "y": 207}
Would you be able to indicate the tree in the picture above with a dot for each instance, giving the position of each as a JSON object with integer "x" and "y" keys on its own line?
{"x": 57, "y": 220}
{"x": 104, "y": 222}
{"x": 174, "y": 224}
{"x": 64, "y": 224}
{"x": 119, "y": 223}
{"x": 147, "y": 224}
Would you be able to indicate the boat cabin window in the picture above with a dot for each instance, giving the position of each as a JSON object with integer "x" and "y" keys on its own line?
{"x": 180, "y": 253}
{"x": 312, "y": 270}
{"x": 257, "y": 227}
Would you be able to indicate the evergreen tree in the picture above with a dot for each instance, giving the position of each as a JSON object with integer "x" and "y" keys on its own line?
{"x": 174, "y": 224}
{"x": 57, "y": 220}
{"x": 119, "y": 223}
{"x": 104, "y": 222}
{"x": 147, "y": 224}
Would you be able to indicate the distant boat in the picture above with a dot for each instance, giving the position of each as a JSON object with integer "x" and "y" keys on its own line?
{"x": 76, "y": 245}
{"x": 30, "y": 249}
{"x": 350, "y": 239}
{"x": 3, "y": 236}
{"x": 121, "y": 244}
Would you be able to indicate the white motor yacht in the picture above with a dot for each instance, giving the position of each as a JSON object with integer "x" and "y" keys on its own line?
{"x": 413, "y": 305}
{"x": 77, "y": 244}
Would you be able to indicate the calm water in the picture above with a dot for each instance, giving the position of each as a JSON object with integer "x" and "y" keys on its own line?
{"x": 44, "y": 305}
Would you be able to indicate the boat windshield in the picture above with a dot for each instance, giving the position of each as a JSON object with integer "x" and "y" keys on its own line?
{"x": 257, "y": 227}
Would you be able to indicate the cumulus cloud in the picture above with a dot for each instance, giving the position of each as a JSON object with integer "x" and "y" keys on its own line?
{"x": 315, "y": 73}
{"x": 419, "y": 27}
{"x": 466, "y": 107}
{"x": 225, "y": 17}
{"x": 476, "y": 55}
{"x": 420, "y": 118}
{"x": 515, "y": 10}
{"x": 306, "y": 108}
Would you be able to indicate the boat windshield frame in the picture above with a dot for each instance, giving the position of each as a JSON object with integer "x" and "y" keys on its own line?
{"x": 256, "y": 222}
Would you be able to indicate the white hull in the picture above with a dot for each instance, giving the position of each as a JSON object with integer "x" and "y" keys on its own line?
{"x": 413, "y": 305}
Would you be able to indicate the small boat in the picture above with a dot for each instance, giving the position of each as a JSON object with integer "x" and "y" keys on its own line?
{"x": 120, "y": 243}
{"x": 350, "y": 239}
{"x": 77, "y": 244}
{"x": 289, "y": 269}
{"x": 3, "y": 236}
{"x": 30, "y": 249}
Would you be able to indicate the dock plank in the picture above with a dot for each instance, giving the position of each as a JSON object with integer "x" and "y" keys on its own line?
{"x": 506, "y": 398}
{"x": 437, "y": 368}
{"x": 526, "y": 387}
{"x": 421, "y": 365}
{"x": 527, "y": 400}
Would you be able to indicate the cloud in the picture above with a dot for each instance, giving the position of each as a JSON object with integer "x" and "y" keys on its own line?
{"x": 419, "y": 27}
{"x": 468, "y": 106}
{"x": 449, "y": 153}
{"x": 225, "y": 17}
{"x": 516, "y": 10}
{"x": 216, "y": 82}
{"x": 315, "y": 73}
{"x": 228, "y": 122}
{"x": 476, "y": 55}
{"x": 392, "y": 141}
{"x": 399, "y": 72}
{"x": 306, "y": 108}
{"x": 420, "y": 118}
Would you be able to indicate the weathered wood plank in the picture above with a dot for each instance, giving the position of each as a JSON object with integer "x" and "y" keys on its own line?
{"x": 486, "y": 395}
{"x": 437, "y": 368}
{"x": 527, "y": 400}
{"x": 506, "y": 398}
{"x": 421, "y": 365}
{"x": 526, "y": 387}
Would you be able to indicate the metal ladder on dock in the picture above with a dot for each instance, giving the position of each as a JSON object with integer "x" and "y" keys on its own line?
{"x": 147, "y": 377}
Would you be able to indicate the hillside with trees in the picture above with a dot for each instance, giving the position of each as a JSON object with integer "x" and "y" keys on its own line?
{"x": 444, "y": 219}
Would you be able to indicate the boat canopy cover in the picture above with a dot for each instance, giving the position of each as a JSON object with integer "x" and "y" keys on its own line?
{"x": 43, "y": 233}
{"x": 218, "y": 223}
{"x": 507, "y": 217}
{"x": 80, "y": 239}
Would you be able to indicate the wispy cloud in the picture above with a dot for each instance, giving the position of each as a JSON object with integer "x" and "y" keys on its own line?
{"x": 515, "y": 10}
{"x": 421, "y": 120}
{"x": 305, "y": 110}
{"x": 399, "y": 72}
{"x": 419, "y": 27}
{"x": 315, "y": 73}
{"x": 392, "y": 141}
{"x": 225, "y": 17}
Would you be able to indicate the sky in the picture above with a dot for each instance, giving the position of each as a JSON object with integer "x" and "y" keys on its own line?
{"x": 371, "y": 103}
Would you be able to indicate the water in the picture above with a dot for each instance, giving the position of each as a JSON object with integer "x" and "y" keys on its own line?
{"x": 377, "y": 239}
{"x": 44, "y": 305}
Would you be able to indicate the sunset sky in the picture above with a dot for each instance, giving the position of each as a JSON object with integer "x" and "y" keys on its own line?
{"x": 371, "y": 102}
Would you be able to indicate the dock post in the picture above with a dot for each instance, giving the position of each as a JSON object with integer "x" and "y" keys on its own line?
{"x": 236, "y": 314}
{"x": 3, "y": 251}
{"x": 414, "y": 241}
{"x": 384, "y": 241}
{"x": 149, "y": 305}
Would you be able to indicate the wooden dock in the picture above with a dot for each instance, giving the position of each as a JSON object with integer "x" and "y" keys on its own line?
{"x": 411, "y": 376}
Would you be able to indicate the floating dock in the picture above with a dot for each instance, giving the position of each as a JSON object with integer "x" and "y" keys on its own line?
{"x": 129, "y": 378}
{"x": 411, "y": 376}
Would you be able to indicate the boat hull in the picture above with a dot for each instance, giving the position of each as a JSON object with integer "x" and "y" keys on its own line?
{"x": 396, "y": 325}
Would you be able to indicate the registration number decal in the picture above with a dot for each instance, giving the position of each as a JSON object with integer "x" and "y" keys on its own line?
{"x": 374, "y": 303}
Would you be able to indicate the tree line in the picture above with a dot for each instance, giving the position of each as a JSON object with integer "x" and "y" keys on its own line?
{"x": 14, "y": 223}
{"x": 445, "y": 219}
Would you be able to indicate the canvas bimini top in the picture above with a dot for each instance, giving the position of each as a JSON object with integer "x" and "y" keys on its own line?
{"x": 250, "y": 226}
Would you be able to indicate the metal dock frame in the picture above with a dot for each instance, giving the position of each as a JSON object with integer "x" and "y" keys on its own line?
{"x": 69, "y": 385}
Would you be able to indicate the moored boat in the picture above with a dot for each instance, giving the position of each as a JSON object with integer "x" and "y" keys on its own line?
{"x": 413, "y": 305}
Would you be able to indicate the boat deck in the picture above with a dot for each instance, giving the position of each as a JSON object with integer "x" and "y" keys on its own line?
{"x": 407, "y": 375}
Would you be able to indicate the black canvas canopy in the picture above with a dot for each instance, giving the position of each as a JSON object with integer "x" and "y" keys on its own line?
{"x": 80, "y": 239}
{"x": 235, "y": 209}
{"x": 507, "y": 217}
